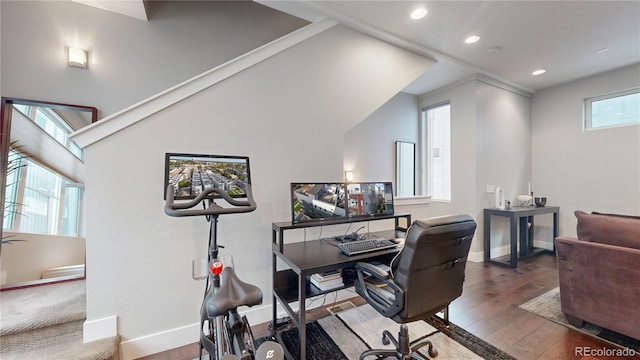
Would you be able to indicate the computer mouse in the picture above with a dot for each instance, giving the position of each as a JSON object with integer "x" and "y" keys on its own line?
{"x": 397, "y": 240}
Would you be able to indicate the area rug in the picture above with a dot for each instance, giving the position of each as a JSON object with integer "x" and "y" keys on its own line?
{"x": 547, "y": 306}
{"x": 350, "y": 332}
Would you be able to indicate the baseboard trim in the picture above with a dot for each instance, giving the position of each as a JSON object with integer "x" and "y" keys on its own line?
{"x": 181, "y": 336}
{"x": 475, "y": 256}
{"x": 100, "y": 329}
{"x": 162, "y": 341}
{"x": 478, "y": 256}
{"x": 189, "y": 334}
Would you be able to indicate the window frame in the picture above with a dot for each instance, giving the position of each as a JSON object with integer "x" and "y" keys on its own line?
{"x": 587, "y": 124}
{"x": 426, "y": 152}
{"x": 56, "y": 217}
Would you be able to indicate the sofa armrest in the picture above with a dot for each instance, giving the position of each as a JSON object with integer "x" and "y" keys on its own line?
{"x": 600, "y": 283}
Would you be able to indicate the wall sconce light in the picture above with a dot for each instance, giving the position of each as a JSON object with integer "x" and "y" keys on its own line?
{"x": 77, "y": 58}
{"x": 348, "y": 175}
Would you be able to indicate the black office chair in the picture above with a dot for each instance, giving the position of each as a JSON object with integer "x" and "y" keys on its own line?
{"x": 425, "y": 278}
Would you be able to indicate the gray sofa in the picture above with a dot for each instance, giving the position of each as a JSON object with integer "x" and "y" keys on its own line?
{"x": 600, "y": 272}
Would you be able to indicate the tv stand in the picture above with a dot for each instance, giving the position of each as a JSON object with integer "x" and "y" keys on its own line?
{"x": 316, "y": 256}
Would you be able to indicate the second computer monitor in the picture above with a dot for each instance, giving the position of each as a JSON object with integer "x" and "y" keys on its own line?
{"x": 370, "y": 199}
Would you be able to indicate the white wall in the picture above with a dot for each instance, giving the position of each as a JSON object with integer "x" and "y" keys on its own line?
{"x": 503, "y": 155}
{"x": 288, "y": 113}
{"x": 490, "y": 135}
{"x": 369, "y": 147}
{"x": 129, "y": 59}
{"x": 463, "y": 139}
{"x": 491, "y": 145}
{"x": 591, "y": 171}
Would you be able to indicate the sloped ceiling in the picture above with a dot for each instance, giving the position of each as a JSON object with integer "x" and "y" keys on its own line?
{"x": 570, "y": 39}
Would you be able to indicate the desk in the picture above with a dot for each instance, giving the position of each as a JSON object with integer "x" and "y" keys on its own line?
{"x": 522, "y": 216}
{"x": 309, "y": 257}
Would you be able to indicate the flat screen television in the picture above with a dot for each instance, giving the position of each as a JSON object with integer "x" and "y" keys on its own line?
{"x": 317, "y": 201}
{"x": 370, "y": 199}
{"x": 190, "y": 174}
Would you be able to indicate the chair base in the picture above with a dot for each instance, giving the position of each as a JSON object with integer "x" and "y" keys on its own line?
{"x": 403, "y": 349}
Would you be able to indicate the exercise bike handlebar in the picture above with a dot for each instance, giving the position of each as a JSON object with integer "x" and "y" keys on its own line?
{"x": 185, "y": 208}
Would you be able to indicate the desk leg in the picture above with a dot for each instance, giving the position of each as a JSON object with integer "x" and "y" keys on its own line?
{"x": 555, "y": 230}
{"x": 302, "y": 323}
{"x": 513, "y": 227}
{"x": 487, "y": 237}
{"x": 274, "y": 306}
{"x": 524, "y": 238}
{"x": 530, "y": 233}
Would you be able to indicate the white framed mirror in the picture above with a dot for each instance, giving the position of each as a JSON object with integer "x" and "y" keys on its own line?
{"x": 405, "y": 169}
{"x": 42, "y": 192}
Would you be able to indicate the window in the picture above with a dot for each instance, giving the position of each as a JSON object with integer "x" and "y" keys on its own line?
{"x": 14, "y": 163}
{"x": 40, "y": 201}
{"x": 53, "y": 123}
{"x": 437, "y": 122}
{"x": 616, "y": 109}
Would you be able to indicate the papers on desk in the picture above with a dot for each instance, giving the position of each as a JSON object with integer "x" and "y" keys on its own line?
{"x": 327, "y": 280}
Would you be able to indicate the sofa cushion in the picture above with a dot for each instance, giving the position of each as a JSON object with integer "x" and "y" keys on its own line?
{"x": 618, "y": 230}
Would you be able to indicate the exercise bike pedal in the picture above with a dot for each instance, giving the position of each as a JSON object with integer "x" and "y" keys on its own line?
{"x": 269, "y": 350}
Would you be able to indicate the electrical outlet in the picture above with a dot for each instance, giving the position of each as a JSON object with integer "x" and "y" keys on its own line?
{"x": 491, "y": 188}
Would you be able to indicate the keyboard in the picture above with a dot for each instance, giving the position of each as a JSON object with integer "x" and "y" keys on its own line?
{"x": 364, "y": 246}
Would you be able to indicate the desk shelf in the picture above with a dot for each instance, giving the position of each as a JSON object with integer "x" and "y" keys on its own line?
{"x": 287, "y": 286}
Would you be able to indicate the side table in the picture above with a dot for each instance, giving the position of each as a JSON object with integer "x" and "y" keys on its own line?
{"x": 518, "y": 217}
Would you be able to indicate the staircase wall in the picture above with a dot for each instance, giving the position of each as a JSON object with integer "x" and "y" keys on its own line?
{"x": 288, "y": 113}
{"x": 129, "y": 59}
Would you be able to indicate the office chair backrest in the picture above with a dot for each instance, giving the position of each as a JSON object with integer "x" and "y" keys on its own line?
{"x": 432, "y": 263}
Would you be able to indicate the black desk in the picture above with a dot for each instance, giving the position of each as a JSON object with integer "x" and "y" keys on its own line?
{"x": 522, "y": 216}
{"x": 314, "y": 256}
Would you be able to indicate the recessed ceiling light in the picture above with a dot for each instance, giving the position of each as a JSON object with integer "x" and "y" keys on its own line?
{"x": 471, "y": 39}
{"x": 538, "y": 72}
{"x": 418, "y": 13}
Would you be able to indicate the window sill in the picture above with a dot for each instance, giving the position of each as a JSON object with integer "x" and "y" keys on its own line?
{"x": 411, "y": 200}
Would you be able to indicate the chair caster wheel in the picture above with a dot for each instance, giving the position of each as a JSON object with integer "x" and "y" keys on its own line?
{"x": 433, "y": 353}
{"x": 385, "y": 340}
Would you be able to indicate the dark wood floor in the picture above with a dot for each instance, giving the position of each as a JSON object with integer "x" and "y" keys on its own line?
{"x": 489, "y": 309}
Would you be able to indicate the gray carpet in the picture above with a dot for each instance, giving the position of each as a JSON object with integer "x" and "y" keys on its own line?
{"x": 36, "y": 307}
{"x": 46, "y": 322}
{"x": 548, "y": 306}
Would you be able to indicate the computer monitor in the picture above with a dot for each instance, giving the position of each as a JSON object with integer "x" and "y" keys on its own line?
{"x": 190, "y": 174}
{"x": 370, "y": 199}
{"x": 317, "y": 202}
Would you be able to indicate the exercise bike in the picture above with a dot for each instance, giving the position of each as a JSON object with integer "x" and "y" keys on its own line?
{"x": 224, "y": 334}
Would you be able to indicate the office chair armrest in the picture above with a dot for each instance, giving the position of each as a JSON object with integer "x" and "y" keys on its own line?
{"x": 372, "y": 270}
{"x": 386, "y": 306}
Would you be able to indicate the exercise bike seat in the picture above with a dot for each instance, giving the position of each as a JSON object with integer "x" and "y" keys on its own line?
{"x": 233, "y": 292}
